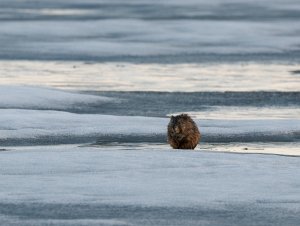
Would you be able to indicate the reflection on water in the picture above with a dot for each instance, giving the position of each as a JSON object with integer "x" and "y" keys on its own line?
{"x": 152, "y": 77}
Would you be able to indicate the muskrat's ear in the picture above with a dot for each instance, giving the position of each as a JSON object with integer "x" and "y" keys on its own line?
{"x": 185, "y": 116}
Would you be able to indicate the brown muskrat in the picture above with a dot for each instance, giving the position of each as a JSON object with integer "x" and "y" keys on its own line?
{"x": 183, "y": 132}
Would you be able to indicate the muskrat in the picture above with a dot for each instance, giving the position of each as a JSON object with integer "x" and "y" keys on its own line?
{"x": 183, "y": 132}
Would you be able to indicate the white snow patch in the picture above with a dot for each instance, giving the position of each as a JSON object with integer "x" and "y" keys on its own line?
{"x": 43, "y": 98}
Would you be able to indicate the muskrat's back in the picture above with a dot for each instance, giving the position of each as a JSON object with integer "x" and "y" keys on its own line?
{"x": 183, "y": 132}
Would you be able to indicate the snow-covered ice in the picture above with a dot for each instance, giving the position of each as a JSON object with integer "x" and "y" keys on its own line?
{"x": 143, "y": 175}
{"x": 50, "y": 184}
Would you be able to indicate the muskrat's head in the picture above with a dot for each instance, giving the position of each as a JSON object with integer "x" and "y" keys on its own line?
{"x": 177, "y": 125}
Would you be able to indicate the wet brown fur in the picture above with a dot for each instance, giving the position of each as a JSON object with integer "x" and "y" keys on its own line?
{"x": 183, "y": 132}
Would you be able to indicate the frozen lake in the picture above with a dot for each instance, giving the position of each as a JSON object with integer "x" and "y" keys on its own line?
{"x": 86, "y": 91}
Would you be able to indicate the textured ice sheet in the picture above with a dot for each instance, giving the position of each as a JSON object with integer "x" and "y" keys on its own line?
{"x": 149, "y": 185}
{"x": 31, "y": 126}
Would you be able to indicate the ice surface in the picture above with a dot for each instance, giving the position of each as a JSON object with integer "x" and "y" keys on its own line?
{"x": 159, "y": 31}
{"x": 51, "y": 184}
{"x": 17, "y": 125}
{"x": 29, "y": 97}
{"x": 143, "y": 175}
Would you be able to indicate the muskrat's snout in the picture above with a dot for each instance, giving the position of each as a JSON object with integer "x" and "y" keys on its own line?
{"x": 179, "y": 137}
